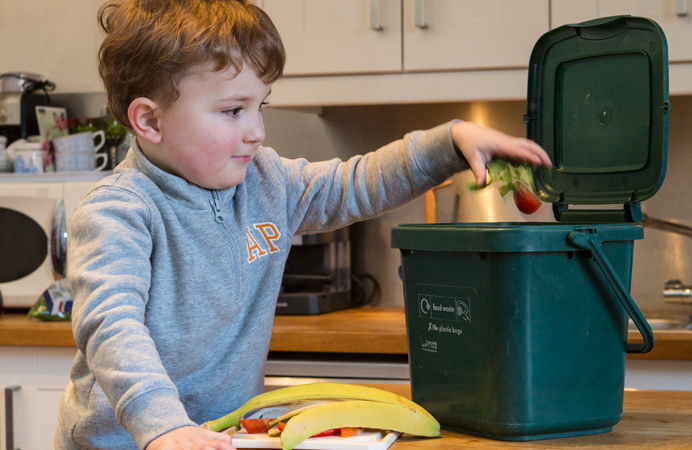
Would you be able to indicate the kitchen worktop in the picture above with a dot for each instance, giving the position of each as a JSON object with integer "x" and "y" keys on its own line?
{"x": 651, "y": 420}
{"x": 363, "y": 330}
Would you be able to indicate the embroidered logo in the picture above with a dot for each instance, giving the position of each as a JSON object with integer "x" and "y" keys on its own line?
{"x": 269, "y": 234}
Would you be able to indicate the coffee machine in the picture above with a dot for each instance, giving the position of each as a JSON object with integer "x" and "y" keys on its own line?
{"x": 20, "y": 93}
{"x": 317, "y": 276}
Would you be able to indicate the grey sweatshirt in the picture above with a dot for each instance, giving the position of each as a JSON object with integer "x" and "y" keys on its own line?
{"x": 175, "y": 286}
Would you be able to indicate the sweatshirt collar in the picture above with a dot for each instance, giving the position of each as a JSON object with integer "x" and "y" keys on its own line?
{"x": 173, "y": 186}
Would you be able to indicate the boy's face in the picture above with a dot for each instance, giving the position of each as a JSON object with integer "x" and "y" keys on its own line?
{"x": 211, "y": 132}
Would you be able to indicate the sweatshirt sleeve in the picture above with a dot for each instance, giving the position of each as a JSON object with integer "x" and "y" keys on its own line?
{"x": 109, "y": 271}
{"x": 333, "y": 194}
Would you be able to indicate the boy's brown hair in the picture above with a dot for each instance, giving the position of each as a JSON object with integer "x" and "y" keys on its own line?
{"x": 150, "y": 45}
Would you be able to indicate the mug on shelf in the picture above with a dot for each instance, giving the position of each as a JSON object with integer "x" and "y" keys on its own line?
{"x": 28, "y": 158}
{"x": 86, "y": 142}
{"x": 79, "y": 161}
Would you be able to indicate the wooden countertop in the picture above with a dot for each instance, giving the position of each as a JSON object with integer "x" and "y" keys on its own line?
{"x": 651, "y": 420}
{"x": 364, "y": 330}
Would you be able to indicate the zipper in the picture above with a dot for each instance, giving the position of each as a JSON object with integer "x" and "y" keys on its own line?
{"x": 216, "y": 208}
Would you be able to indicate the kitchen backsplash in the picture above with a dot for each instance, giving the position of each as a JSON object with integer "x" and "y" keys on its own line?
{"x": 350, "y": 130}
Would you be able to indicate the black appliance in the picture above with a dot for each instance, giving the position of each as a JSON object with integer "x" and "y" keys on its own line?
{"x": 20, "y": 93}
{"x": 317, "y": 276}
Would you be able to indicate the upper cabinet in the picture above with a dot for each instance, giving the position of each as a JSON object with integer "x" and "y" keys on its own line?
{"x": 58, "y": 40}
{"x": 355, "y": 52}
{"x": 338, "y": 36}
{"x": 343, "y": 52}
{"x": 389, "y": 36}
{"x": 471, "y": 34}
{"x": 674, "y": 16}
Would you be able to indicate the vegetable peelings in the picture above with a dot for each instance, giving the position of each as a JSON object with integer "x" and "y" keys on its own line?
{"x": 517, "y": 179}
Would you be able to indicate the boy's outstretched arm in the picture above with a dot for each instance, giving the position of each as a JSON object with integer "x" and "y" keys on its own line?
{"x": 480, "y": 145}
{"x": 191, "y": 438}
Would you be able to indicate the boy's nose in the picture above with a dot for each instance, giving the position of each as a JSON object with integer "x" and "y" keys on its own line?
{"x": 255, "y": 130}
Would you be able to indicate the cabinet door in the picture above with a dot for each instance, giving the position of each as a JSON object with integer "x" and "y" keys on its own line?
{"x": 338, "y": 36}
{"x": 58, "y": 40}
{"x": 472, "y": 34}
{"x": 674, "y": 16}
{"x": 41, "y": 374}
{"x": 18, "y": 368}
{"x": 52, "y": 376}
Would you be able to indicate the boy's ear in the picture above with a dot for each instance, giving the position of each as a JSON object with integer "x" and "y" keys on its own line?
{"x": 143, "y": 119}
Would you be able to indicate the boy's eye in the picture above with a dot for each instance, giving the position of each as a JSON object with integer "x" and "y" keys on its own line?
{"x": 232, "y": 111}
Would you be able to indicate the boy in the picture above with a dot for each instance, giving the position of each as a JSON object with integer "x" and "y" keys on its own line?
{"x": 175, "y": 261}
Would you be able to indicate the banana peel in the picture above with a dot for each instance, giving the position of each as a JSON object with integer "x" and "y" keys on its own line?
{"x": 299, "y": 408}
{"x": 313, "y": 391}
{"x": 357, "y": 413}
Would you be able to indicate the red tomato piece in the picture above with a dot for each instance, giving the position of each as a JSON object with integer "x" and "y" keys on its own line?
{"x": 526, "y": 201}
{"x": 281, "y": 426}
{"x": 331, "y": 432}
{"x": 254, "y": 426}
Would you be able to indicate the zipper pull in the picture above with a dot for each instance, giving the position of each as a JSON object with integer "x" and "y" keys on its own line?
{"x": 216, "y": 208}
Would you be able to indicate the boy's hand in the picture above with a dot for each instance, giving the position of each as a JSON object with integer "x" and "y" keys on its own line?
{"x": 191, "y": 438}
{"x": 480, "y": 145}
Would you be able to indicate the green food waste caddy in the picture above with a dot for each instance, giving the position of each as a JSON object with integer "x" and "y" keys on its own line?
{"x": 518, "y": 331}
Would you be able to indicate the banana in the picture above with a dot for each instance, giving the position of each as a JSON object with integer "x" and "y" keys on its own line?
{"x": 357, "y": 413}
{"x": 298, "y": 408}
{"x": 311, "y": 391}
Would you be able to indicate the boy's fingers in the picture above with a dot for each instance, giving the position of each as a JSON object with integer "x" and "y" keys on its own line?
{"x": 533, "y": 152}
{"x": 478, "y": 169}
{"x": 517, "y": 151}
{"x": 222, "y": 441}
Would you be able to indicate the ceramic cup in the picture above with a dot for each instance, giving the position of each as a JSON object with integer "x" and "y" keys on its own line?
{"x": 86, "y": 142}
{"x": 29, "y": 159}
{"x": 79, "y": 161}
{"x": 6, "y": 163}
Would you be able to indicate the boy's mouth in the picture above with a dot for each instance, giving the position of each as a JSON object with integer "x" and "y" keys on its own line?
{"x": 242, "y": 158}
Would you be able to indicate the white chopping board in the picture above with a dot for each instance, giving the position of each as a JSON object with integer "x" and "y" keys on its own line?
{"x": 365, "y": 441}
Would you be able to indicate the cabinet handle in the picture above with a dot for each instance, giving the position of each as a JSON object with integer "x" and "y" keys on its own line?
{"x": 681, "y": 8}
{"x": 9, "y": 417}
{"x": 375, "y": 16}
{"x": 419, "y": 15}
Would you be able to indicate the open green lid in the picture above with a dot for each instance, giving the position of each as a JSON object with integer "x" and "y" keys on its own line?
{"x": 598, "y": 104}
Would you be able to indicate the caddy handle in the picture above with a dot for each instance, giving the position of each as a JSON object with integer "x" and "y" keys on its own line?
{"x": 9, "y": 417}
{"x": 589, "y": 242}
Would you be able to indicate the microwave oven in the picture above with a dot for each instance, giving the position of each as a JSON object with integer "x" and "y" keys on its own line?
{"x": 34, "y": 212}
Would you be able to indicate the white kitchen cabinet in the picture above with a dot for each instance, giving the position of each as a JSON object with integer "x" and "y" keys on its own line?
{"x": 41, "y": 374}
{"x": 674, "y": 17}
{"x": 373, "y": 36}
{"x": 450, "y": 50}
{"x": 338, "y": 36}
{"x": 358, "y": 52}
{"x": 58, "y": 40}
{"x": 468, "y": 34}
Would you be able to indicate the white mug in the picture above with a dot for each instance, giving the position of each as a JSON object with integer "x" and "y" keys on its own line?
{"x": 29, "y": 159}
{"x": 79, "y": 161}
{"x": 81, "y": 142}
